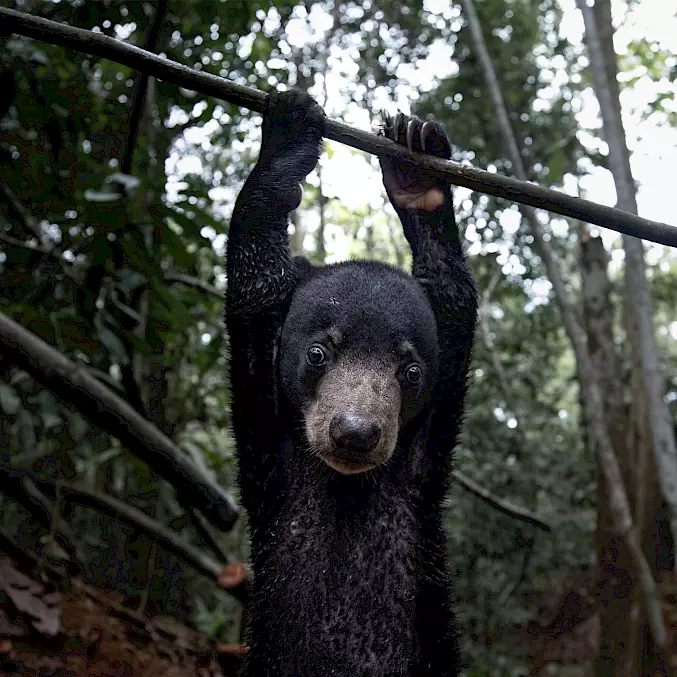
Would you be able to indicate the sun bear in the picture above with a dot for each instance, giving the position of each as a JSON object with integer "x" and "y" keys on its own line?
{"x": 348, "y": 386}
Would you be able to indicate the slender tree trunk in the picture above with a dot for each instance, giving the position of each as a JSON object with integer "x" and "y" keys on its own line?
{"x": 615, "y": 585}
{"x": 321, "y": 204}
{"x": 599, "y": 40}
{"x": 651, "y": 511}
{"x": 397, "y": 249}
{"x": 369, "y": 235}
{"x": 299, "y": 234}
{"x": 619, "y": 504}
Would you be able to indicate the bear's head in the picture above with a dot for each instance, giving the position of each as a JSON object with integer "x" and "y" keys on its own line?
{"x": 358, "y": 360}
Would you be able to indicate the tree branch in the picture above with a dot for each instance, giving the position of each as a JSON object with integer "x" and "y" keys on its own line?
{"x": 461, "y": 175}
{"x": 27, "y": 489}
{"x": 507, "y": 508}
{"x": 22, "y": 487}
{"x": 105, "y": 409}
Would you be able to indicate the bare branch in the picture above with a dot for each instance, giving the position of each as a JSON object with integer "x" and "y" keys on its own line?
{"x": 507, "y": 508}
{"x": 21, "y": 486}
{"x": 205, "y": 532}
{"x": 105, "y": 409}
{"x": 485, "y": 328}
{"x": 461, "y": 175}
{"x": 27, "y": 244}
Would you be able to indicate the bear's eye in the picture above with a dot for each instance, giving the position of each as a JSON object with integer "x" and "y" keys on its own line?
{"x": 414, "y": 374}
{"x": 316, "y": 356}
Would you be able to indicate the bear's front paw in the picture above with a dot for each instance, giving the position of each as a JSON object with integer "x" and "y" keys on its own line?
{"x": 293, "y": 125}
{"x": 409, "y": 186}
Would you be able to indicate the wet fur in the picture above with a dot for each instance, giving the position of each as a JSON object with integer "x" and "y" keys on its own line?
{"x": 350, "y": 575}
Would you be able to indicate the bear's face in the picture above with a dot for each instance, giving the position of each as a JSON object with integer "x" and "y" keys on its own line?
{"x": 358, "y": 361}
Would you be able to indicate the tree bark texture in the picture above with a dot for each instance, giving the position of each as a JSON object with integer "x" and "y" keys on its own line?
{"x": 616, "y": 575}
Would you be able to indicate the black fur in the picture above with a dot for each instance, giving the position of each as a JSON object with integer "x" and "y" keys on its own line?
{"x": 350, "y": 574}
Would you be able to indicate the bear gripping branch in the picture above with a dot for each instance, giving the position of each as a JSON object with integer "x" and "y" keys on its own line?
{"x": 469, "y": 177}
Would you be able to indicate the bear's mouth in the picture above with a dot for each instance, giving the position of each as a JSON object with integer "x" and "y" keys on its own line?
{"x": 347, "y": 467}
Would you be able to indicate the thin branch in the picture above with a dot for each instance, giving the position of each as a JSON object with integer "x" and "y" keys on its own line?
{"x": 507, "y": 508}
{"x": 105, "y": 409}
{"x": 205, "y": 533}
{"x": 22, "y": 488}
{"x": 512, "y": 586}
{"x": 485, "y": 328}
{"x": 53, "y": 253}
{"x": 27, "y": 244}
{"x": 461, "y": 175}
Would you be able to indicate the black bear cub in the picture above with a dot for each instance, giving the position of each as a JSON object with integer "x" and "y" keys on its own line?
{"x": 348, "y": 385}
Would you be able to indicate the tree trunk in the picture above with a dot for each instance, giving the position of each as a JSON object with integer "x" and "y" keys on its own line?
{"x": 618, "y": 502}
{"x": 321, "y": 204}
{"x": 651, "y": 512}
{"x": 599, "y": 40}
{"x": 615, "y": 584}
{"x": 299, "y": 234}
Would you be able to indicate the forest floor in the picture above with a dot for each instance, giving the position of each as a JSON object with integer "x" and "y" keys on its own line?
{"x": 84, "y": 632}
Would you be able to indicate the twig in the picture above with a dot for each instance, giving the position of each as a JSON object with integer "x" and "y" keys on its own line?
{"x": 42, "y": 509}
{"x": 53, "y": 253}
{"x": 483, "y": 316}
{"x": 105, "y": 409}
{"x": 461, "y": 175}
{"x": 29, "y": 490}
{"x": 25, "y": 244}
{"x": 507, "y": 508}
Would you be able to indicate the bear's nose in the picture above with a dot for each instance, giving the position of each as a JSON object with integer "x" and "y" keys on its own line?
{"x": 354, "y": 435}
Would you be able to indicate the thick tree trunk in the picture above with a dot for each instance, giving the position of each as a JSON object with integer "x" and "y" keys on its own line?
{"x": 599, "y": 40}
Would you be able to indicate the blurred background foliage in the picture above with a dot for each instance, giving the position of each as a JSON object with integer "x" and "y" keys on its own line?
{"x": 112, "y": 235}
